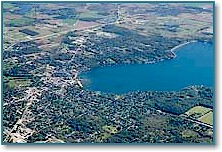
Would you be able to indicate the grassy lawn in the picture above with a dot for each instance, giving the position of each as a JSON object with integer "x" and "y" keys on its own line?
{"x": 207, "y": 118}
{"x": 188, "y": 134}
{"x": 197, "y": 111}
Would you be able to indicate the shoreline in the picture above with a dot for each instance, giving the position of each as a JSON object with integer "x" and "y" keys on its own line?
{"x": 174, "y": 49}
{"x": 181, "y": 45}
{"x": 151, "y": 62}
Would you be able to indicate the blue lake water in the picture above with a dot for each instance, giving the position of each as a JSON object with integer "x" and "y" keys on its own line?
{"x": 194, "y": 65}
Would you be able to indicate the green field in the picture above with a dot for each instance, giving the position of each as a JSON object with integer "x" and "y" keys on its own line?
{"x": 19, "y": 22}
{"x": 207, "y": 118}
{"x": 8, "y": 6}
{"x": 90, "y": 14}
{"x": 197, "y": 111}
{"x": 188, "y": 134}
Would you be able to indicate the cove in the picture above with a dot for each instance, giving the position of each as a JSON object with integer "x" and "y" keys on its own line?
{"x": 194, "y": 65}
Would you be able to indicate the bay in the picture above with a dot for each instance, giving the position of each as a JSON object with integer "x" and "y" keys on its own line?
{"x": 194, "y": 65}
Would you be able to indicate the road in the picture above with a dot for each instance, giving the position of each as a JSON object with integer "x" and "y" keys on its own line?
{"x": 74, "y": 29}
{"x": 30, "y": 97}
{"x": 200, "y": 123}
{"x": 54, "y": 34}
{"x": 27, "y": 98}
{"x": 188, "y": 119}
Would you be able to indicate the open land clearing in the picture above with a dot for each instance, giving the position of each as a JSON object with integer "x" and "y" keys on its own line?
{"x": 197, "y": 111}
{"x": 207, "y": 118}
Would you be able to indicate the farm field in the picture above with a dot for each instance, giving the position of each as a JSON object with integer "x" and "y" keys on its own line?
{"x": 197, "y": 111}
{"x": 207, "y": 118}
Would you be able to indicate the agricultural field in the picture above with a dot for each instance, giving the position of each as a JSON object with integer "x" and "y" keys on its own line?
{"x": 207, "y": 118}
{"x": 197, "y": 112}
{"x": 183, "y": 25}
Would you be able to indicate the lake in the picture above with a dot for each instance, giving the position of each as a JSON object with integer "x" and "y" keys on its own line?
{"x": 194, "y": 65}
